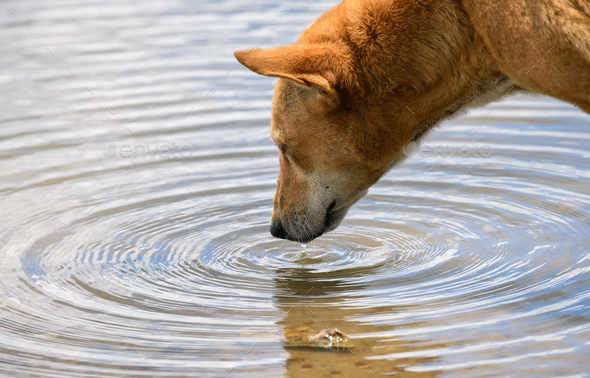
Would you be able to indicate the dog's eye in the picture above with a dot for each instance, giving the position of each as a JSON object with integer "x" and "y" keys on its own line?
{"x": 282, "y": 147}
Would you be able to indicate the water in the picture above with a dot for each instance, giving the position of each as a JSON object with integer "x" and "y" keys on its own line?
{"x": 164, "y": 266}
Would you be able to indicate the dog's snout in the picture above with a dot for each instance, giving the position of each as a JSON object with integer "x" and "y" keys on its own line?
{"x": 277, "y": 230}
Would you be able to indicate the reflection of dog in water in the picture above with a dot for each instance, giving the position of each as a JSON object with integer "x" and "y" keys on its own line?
{"x": 316, "y": 309}
{"x": 370, "y": 76}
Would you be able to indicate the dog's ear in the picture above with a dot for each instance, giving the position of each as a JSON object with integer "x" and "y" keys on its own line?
{"x": 305, "y": 65}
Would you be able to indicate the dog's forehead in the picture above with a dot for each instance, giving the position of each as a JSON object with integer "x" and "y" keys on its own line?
{"x": 286, "y": 97}
{"x": 288, "y": 113}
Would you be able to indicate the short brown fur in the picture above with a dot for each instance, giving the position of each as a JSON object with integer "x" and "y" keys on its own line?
{"x": 370, "y": 76}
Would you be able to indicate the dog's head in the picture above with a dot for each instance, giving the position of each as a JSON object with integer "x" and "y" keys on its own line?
{"x": 361, "y": 82}
{"x": 334, "y": 143}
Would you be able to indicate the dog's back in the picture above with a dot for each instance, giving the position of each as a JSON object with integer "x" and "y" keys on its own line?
{"x": 543, "y": 46}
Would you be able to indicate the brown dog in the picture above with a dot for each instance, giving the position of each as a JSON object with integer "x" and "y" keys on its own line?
{"x": 370, "y": 76}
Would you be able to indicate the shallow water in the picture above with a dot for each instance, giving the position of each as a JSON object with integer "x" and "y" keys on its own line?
{"x": 163, "y": 265}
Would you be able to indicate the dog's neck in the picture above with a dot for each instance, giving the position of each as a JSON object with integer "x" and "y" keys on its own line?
{"x": 440, "y": 68}
{"x": 490, "y": 91}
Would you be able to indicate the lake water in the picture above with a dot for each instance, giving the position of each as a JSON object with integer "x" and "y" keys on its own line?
{"x": 161, "y": 265}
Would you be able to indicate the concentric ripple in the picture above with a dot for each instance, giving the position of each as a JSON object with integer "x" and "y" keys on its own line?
{"x": 137, "y": 179}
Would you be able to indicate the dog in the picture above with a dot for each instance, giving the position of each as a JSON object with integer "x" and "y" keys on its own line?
{"x": 368, "y": 77}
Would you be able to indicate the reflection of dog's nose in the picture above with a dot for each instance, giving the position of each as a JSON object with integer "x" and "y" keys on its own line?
{"x": 277, "y": 230}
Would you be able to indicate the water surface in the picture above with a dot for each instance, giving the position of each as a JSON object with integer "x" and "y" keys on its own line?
{"x": 161, "y": 264}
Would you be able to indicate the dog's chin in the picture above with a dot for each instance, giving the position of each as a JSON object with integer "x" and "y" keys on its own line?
{"x": 336, "y": 217}
{"x": 335, "y": 214}
{"x": 332, "y": 220}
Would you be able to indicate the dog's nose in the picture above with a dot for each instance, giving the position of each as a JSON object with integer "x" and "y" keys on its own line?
{"x": 277, "y": 230}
